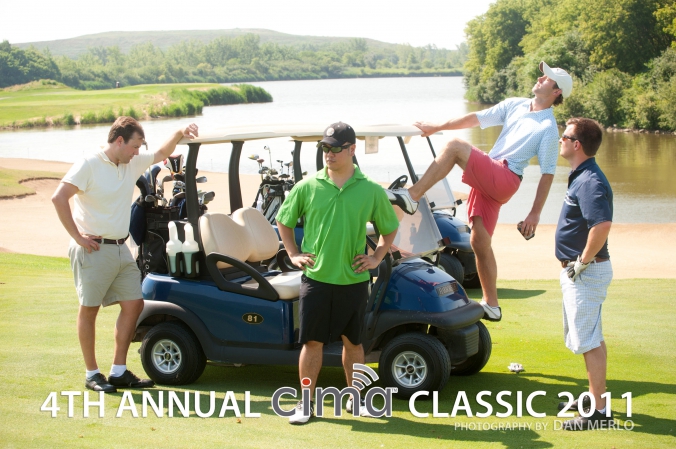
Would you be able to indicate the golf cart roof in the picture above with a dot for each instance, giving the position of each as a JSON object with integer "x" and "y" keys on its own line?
{"x": 304, "y": 132}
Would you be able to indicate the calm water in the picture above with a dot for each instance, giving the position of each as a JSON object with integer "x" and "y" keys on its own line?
{"x": 637, "y": 165}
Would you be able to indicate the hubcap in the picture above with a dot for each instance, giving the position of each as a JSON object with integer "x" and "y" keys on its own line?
{"x": 409, "y": 369}
{"x": 166, "y": 356}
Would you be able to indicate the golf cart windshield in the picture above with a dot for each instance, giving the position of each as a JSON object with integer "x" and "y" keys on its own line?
{"x": 440, "y": 196}
{"x": 418, "y": 234}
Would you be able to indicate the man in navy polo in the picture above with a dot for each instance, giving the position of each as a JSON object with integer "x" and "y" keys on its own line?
{"x": 582, "y": 249}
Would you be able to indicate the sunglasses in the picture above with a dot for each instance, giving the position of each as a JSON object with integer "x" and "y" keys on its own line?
{"x": 565, "y": 137}
{"x": 326, "y": 148}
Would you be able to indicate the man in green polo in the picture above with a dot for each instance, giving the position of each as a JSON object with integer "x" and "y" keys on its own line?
{"x": 337, "y": 202}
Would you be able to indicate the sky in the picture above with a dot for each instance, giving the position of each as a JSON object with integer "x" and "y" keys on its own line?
{"x": 441, "y": 23}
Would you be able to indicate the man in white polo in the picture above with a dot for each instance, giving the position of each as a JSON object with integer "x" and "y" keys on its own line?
{"x": 528, "y": 130}
{"x": 104, "y": 270}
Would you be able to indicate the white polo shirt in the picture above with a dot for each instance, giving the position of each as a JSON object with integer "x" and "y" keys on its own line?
{"x": 524, "y": 134}
{"x": 103, "y": 201}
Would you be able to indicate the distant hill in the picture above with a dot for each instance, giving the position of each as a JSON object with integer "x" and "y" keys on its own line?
{"x": 125, "y": 40}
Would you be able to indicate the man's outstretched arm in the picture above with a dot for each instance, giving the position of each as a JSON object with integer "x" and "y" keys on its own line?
{"x": 466, "y": 121}
{"x": 169, "y": 146}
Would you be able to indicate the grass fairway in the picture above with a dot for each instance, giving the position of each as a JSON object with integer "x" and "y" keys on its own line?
{"x": 36, "y": 101}
{"x": 40, "y": 354}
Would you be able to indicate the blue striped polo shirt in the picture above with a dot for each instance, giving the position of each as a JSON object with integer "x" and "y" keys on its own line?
{"x": 524, "y": 134}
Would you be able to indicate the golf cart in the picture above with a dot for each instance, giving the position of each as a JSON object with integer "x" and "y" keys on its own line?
{"x": 227, "y": 306}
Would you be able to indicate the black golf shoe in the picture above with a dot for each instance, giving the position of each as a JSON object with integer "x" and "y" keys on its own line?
{"x": 130, "y": 380}
{"x": 597, "y": 421}
{"x": 98, "y": 382}
{"x": 586, "y": 404}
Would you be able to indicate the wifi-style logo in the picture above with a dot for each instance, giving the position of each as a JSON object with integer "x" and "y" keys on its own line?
{"x": 362, "y": 377}
{"x": 360, "y": 380}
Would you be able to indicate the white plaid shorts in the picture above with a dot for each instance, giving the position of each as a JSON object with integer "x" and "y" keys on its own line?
{"x": 582, "y": 301}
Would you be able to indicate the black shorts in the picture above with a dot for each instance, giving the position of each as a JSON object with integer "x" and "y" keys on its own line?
{"x": 328, "y": 311}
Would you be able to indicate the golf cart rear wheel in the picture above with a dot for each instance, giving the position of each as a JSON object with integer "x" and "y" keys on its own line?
{"x": 472, "y": 281}
{"x": 414, "y": 362}
{"x": 451, "y": 265}
{"x": 475, "y": 363}
{"x": 172, "y": 355}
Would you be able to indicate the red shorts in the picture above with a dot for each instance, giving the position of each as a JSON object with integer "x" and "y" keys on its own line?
{"x": 492, "y": 183}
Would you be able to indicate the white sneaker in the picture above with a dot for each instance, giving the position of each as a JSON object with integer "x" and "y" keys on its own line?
{"x": 363, "y": 411}
{"x": 299, "y": 417}
{"x": 491, "y": 313}
{"x": 402, "y": 198}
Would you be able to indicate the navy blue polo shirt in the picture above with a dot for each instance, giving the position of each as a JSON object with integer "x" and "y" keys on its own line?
{"x": 588, "y": 202}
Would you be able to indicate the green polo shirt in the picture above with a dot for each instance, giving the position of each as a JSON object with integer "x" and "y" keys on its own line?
{"x": 335, "y": 222}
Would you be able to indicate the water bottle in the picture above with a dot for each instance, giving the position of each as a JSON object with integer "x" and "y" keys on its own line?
{"x": 174, "y": 248}
{"x": 190, "y": 248}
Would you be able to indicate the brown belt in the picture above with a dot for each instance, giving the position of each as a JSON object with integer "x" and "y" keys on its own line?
{"x": 564, "y": 263}
{"x": 111, "y": 241}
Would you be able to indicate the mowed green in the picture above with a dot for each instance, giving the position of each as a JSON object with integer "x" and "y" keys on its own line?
{"x": 55, "y": 100}
{"x": 39, "y": 354}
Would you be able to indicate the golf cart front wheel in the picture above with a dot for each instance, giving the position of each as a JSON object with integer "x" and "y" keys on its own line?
{"x": 475, "y": 363}
{"x": 414, "y": 362}
{"x": 172, "y": 355}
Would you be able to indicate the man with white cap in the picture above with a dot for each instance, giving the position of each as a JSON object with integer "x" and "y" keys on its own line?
{"x": 529, "y": 129}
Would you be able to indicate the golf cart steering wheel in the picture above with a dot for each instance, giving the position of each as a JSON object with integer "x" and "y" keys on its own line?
{"x": 399, "y": 182}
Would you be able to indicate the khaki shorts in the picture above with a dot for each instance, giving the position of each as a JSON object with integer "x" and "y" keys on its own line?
{"x": 106, "y": 276}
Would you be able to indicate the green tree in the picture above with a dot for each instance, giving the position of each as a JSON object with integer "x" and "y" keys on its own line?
{"x": 666, "y": 18}
{"x": 494, "y": 39}
{"x": 19, "y": 66}
{"x": 622, "y": 34}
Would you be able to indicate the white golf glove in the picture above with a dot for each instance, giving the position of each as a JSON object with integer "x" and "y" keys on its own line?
{"x": 577, "y": 267}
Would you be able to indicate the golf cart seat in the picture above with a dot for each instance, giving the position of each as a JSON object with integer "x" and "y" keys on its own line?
{"x": 247, "y": 236}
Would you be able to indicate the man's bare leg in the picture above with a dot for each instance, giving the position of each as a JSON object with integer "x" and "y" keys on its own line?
{"x": 486, "y": 265}
{"x": 86, "y": 332}
{"x": 595, "y": 361}
{"x": 351, "y": 354}
{"x": 310, "y": 363}
{"x": 456, "y": 151}
{"x": 124, "y": 329}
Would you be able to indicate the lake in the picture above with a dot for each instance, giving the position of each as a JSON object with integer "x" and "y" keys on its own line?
{"x": 637, "y": 165}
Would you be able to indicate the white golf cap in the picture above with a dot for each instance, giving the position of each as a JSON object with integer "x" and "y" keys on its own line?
{"x": 562, "y": 78}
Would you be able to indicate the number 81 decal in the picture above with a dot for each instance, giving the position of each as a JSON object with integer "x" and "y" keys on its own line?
{"x": 252, "y": 318}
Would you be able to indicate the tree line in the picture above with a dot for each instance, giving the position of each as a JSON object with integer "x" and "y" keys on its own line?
{"x": 621, "y": 54}
{"x": 222, "y": 60}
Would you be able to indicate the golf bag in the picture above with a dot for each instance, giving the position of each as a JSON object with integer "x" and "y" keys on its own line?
{"x": 270, "y": 197}
{"x": 149, "y": 228}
